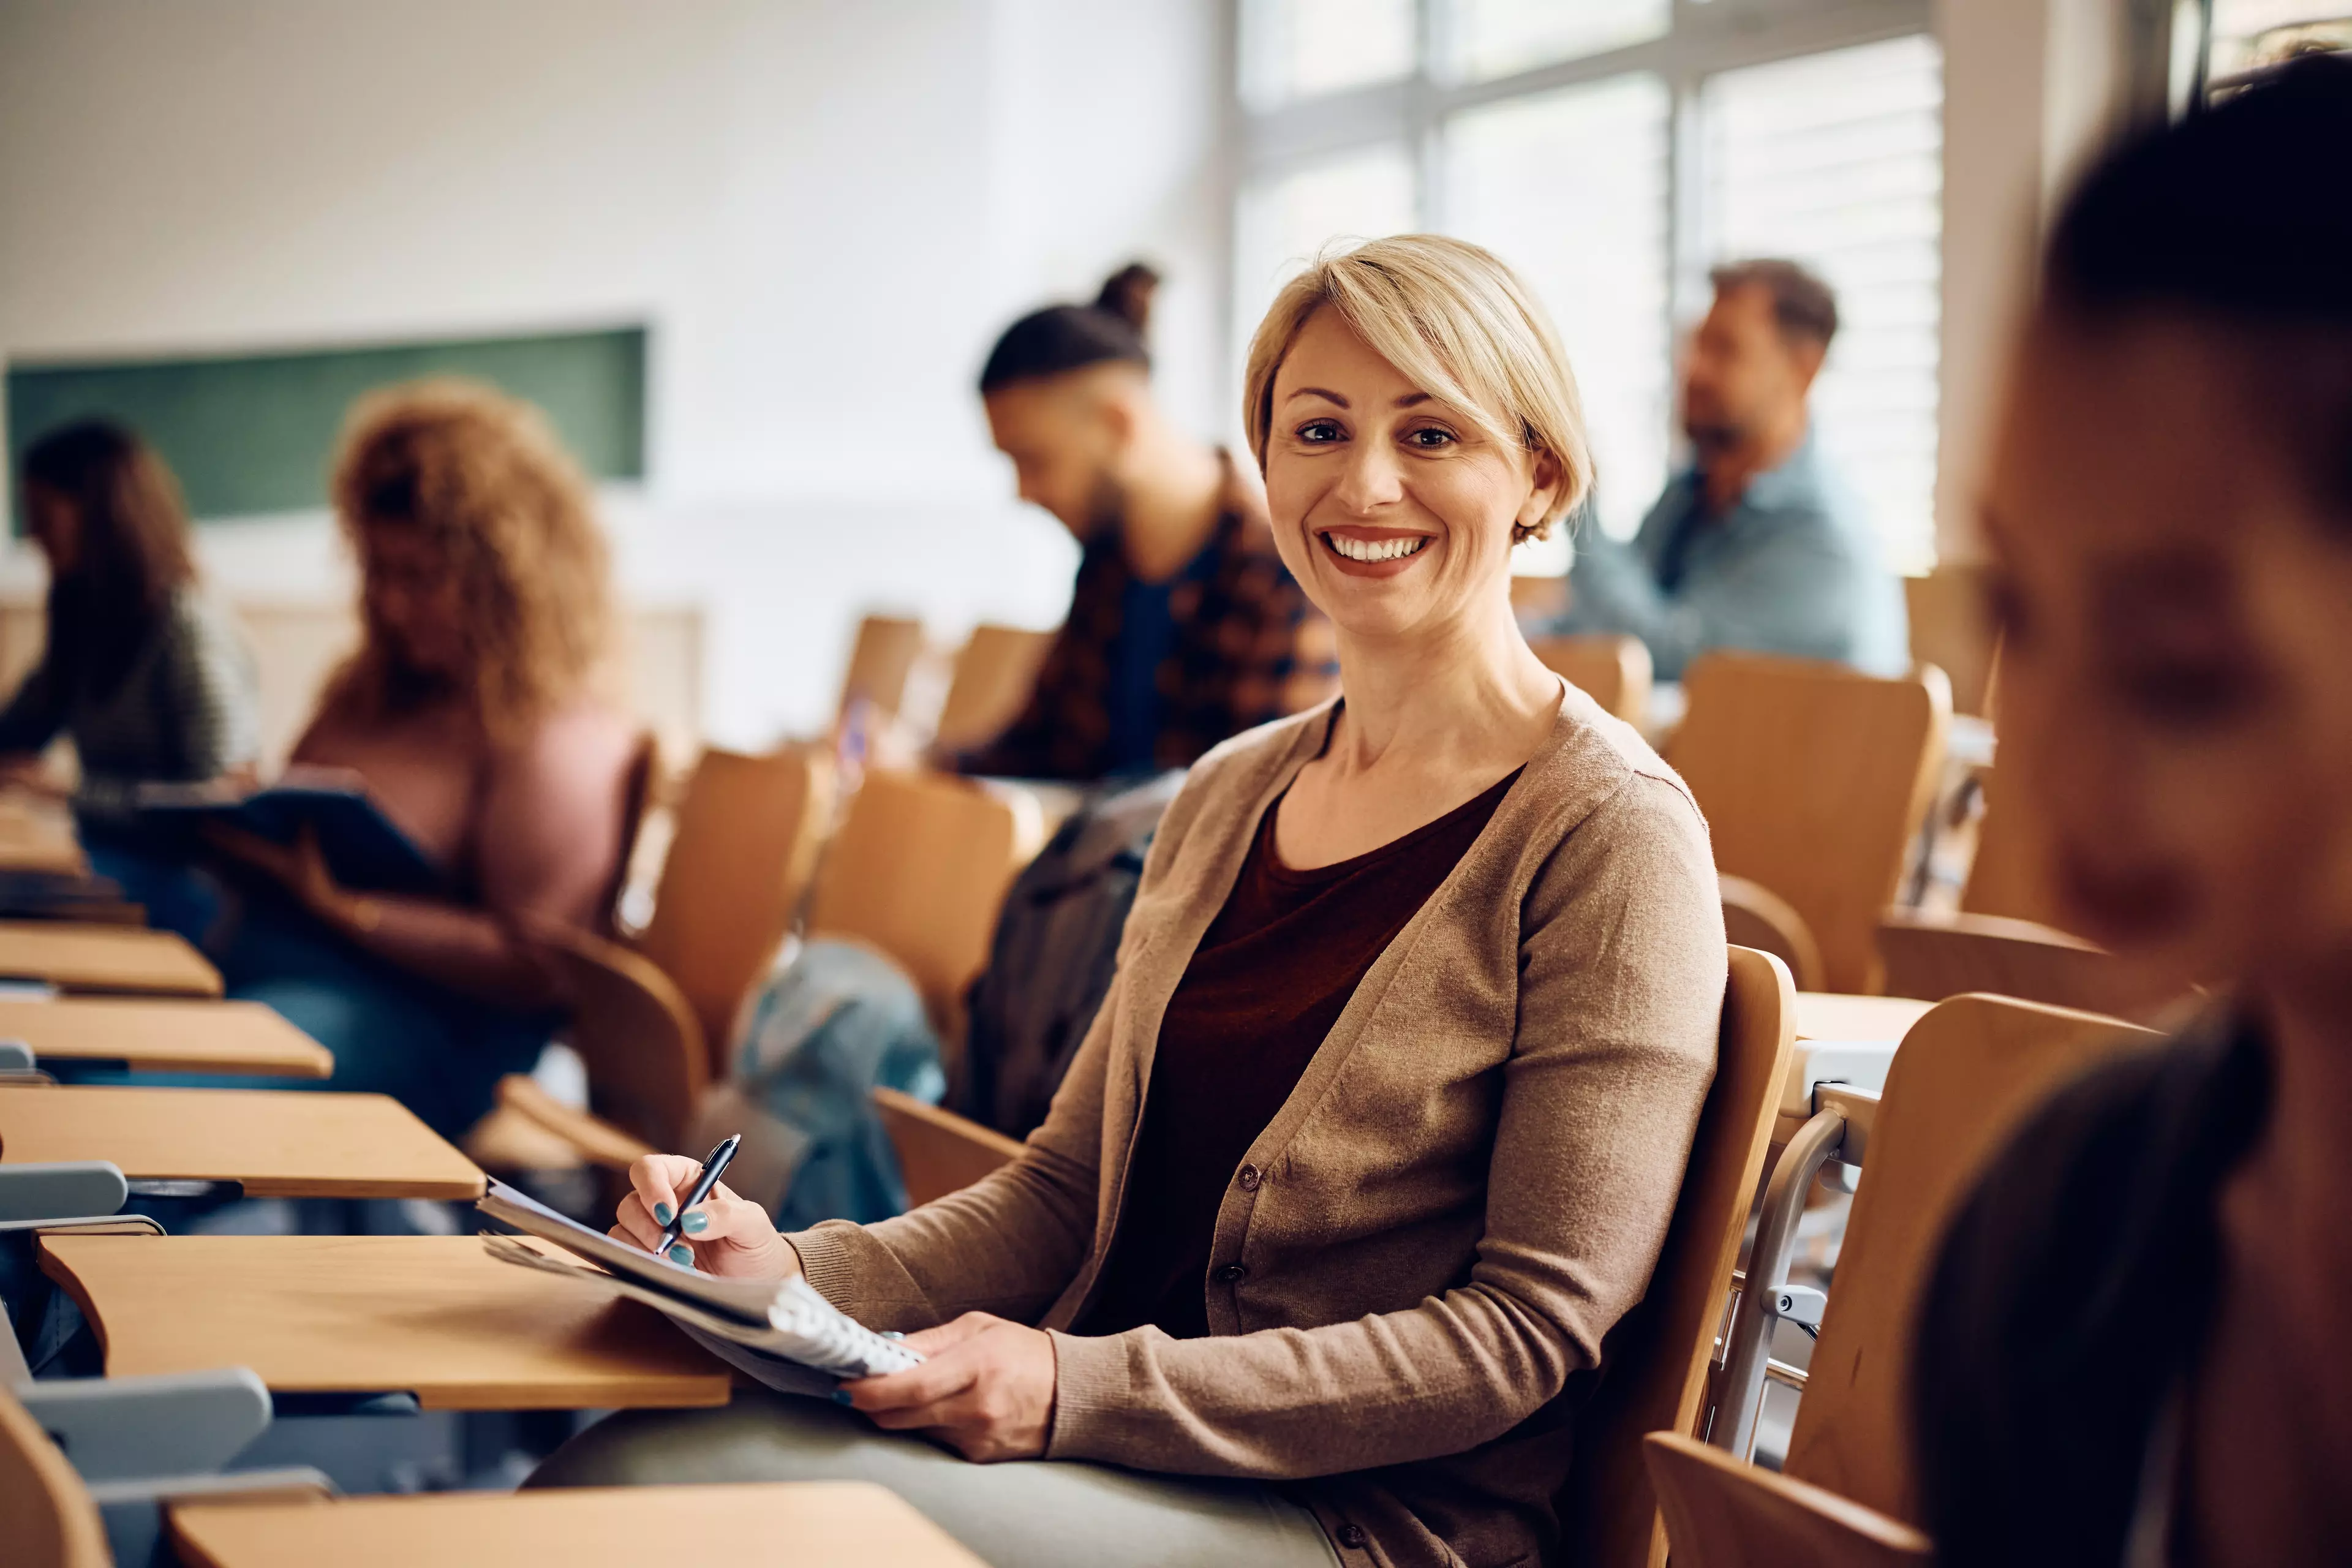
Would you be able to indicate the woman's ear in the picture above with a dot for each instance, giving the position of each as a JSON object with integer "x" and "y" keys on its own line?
{"x": 1544, "y": 486}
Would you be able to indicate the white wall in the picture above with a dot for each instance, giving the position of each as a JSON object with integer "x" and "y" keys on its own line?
{"x": 825, "y": 211}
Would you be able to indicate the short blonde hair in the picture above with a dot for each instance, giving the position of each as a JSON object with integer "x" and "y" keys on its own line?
{"x": 1461, "y": 326}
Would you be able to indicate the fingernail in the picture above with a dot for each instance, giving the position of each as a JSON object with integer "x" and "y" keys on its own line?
{"x": 681, "y": 1254}
{"x": 661, "y": 1214}
{"x": 841, "y": 1397}
{"x": 695, "y": 1222}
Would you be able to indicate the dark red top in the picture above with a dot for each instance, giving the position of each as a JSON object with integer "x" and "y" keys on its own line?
{"x": 1270, "y": 978}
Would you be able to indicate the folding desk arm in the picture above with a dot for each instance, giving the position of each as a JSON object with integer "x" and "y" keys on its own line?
{"x": 169, "y": 1423}
{"x": 65, "y": 1189}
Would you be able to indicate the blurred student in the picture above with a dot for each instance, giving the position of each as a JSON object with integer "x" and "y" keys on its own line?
{"x": 472, "y": 717}
{"x": 1756, "y": 546}
{"x": 1381, "y": 1128}
{"x": 2133, "y": 1351}
{"x": 1184, "y": 626}
{"x": 142, "y": 669}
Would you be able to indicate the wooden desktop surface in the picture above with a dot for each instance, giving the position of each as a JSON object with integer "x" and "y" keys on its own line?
{"x": 38, "y": 835}
{"x": 812, "y": 1524}
{"x": 166, "y": 1035}
{"x": 289, "y": 1142}
{"x": 76, "y": 957}
{"x": 435, "y": 1316}
{"x": 1827, "y": 1015}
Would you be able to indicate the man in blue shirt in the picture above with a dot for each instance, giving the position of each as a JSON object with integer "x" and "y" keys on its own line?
{"x": 1756, "y": 545}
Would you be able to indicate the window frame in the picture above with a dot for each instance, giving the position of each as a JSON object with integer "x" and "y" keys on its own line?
{"x": 1703, "y": 39}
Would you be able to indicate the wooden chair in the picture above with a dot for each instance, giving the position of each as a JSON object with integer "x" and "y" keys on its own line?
{"x": 917, "y": 871}
{"x": 993, "y": 677}
{"x": 1965, "y": 1075}
{"x": 50, "y": 1521}
{"x": 1721, "y": 1513}
{"x": 1951, "y": 629}
{"x": 1661, "y": 1356}
{"x": 651, "y": 1018}
{"x": 884, "y": 655}
{"x": 939, "y": 1152}
{"x": 2003, "y": 938}
{"x": 1814, "y": 780}
{"x": 1614, "y": 671}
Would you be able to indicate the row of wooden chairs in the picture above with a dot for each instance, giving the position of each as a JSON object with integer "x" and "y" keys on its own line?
{"x": 991, "y": 676}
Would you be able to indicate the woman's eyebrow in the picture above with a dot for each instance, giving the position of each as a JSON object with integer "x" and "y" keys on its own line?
{"x": 1409, "y": 398}
{"x": 1325, "y": 394}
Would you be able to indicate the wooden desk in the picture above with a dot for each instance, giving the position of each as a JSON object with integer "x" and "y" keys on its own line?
{"x": 283, "y": 1143}
{"x": 38, "y": 838}
{"x": 1827, "y": 1015}
{"x": 166, "y": 1036}
{"x": 814, "y": 1524}
{"x": 435, "y": 1316}
{"x": 76, "y": 957}
{"x": 1850, "y": 1038}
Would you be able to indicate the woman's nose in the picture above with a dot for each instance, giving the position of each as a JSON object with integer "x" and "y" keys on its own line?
{"x": 1370, "y": 480}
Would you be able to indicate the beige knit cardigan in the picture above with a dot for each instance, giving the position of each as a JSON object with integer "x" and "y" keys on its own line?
{"x": 1427, "y": 1244}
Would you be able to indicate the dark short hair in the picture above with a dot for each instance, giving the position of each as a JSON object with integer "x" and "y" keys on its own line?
{"x": 1063, "y": 337}
{"x": 1804, "y": 306}
{"x": 2232, "y": 217}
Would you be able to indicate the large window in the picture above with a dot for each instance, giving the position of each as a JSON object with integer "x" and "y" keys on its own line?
{"x": 1613, "y": 150}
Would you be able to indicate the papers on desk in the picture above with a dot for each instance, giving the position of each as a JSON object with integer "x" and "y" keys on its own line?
{"x": 780, "y": 1332}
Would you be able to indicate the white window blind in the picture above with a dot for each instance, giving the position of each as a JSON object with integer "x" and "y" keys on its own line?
{"x": 1570, "y": 188}
{"x": 1835, "y": 159}
{"x": 1287, "y": 221}
{"x": 1307, "y": 48}
{"x": 1496, "y": 37}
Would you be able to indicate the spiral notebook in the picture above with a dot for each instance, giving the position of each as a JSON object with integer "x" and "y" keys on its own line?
{"x": 779, "y": 1332}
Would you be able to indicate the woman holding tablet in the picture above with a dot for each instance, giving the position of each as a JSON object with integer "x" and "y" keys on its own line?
{"x": 1379, "y": 1129}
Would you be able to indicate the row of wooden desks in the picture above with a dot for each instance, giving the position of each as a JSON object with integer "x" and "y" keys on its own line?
{"x": 74, "y": 956}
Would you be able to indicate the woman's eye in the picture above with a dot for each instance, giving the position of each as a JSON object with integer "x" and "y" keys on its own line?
{"x": 1429, "y": 437}
{"x": 1321, "y": 432}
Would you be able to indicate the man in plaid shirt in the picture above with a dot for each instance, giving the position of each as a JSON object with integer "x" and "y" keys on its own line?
{"x": 1185, "y": 626}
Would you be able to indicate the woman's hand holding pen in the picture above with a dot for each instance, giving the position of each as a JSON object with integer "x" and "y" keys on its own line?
{"x": 723, "y": 1234}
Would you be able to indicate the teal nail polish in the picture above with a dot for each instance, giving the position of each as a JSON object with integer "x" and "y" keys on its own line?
{"x": 682, "y": 1254}
{"x": 841, "y": 1397}
{"x": 661, "y": 1214}
{"x": 695, "y": 1222}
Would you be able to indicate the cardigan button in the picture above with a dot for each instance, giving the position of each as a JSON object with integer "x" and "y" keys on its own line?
{"x": 1250, "y": 1178}
{"x": 1233, "y": 1272}
{"x": 1353, "y": 1538}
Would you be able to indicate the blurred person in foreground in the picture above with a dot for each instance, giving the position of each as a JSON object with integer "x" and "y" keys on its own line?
{"x": 2133, "y": 1351}
{"x": 1756, "y": 546}
{"x": 1379, "y": 1129}
{"x": 141, "y": 668}
{"x": 1184, "y": 626}
{"x": 472, "y": 716}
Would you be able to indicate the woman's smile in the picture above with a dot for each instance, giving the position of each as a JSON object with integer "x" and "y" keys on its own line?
{"x": 1373, "y": 551}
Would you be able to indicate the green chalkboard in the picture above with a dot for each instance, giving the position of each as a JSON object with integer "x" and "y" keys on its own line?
{"x": 254, "y": 433}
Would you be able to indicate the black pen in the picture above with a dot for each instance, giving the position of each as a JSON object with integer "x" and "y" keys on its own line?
{"x": 712, "y": 1164}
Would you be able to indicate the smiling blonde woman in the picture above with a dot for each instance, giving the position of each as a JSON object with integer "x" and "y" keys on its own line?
{"x": 1379, "y": 1129}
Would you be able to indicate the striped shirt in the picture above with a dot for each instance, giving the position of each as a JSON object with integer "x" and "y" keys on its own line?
{"x": 186, "y": 709}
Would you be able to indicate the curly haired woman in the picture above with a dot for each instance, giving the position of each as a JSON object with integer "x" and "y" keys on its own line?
{"x": 471, "y": 714}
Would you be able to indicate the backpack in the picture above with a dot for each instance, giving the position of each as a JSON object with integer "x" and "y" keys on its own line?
{"x": 1051, "y": 958}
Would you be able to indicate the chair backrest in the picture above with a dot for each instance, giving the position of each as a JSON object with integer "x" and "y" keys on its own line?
{"x": 2009, "y": 874}
{"x": 1722, "y": 1512}
{"x": 1952, "y": 630}
{"x": 635, "y": 1032}
{"x": 993, "y": 677}
{"x": 917, "y": 871}
{"x": 1932, "y": 957}
{"x": 1614, "y": 671}
{"x": 1965, "y": 1076}
{"x": 1659, "y": 1360}
{"x": 1813, "y": 779}
{"x": 745, "y": 841}
{"x": 884, "y": 653}
{"x": 939, "y": 1152}
{"x": 47, "y": 1515}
